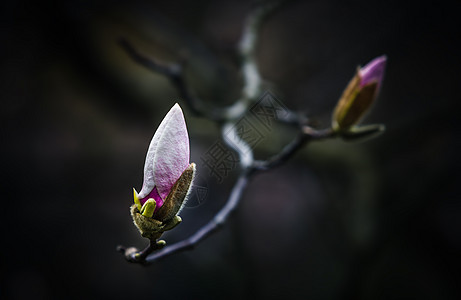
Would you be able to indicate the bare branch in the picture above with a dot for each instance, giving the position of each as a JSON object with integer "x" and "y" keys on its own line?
{"x": 135, "y": 256}
{"x": 174, "y": 72}
{"x": 234, "y": 141}
{"x": 219, "y": 219}
{"x": 306, "y": 135}
{"x": 251, "y": 77}
{"x": 247, "y": 50}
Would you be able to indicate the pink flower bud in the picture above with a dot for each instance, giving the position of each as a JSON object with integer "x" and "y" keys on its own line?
{"x": 166, "y": 159}
{"x": 359, "y": 95}
{"x": 168, "y": 178}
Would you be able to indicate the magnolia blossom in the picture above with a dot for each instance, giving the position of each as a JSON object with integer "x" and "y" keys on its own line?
{"x": 359, "y": 95}
{"x": 166, "y": 160}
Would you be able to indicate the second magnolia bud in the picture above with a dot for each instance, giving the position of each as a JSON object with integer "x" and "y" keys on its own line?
{"x": 359, "y": 95}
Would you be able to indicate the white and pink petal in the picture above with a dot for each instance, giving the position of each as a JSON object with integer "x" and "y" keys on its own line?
{"x": 172, "y": 152}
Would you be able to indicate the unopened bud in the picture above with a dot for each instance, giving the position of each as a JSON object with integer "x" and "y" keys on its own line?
{"x": 359, "y": 95}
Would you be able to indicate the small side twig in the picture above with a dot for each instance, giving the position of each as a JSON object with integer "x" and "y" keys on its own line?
{"x": 251, "y": 77}
{"x": 135, "y": 256}
{"x": 305, "y": 135}
{"x": 174, "y": 72}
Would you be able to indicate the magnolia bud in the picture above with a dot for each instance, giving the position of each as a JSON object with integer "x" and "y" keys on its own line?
{"x": 168, "y": 178}
{"x": 359, "y": 95}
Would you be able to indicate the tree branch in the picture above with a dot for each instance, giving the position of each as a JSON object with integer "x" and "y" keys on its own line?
{"x": 251, "y": 77}
{"x": 306, "y": 135}
{"x": 247, "y": 50}
{"x": 250, "y": 92}
{"x": 218, "y": 220}
{"x": 174, "y": 72}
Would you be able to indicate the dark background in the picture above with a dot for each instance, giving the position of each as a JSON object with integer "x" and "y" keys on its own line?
{"x": 379, "y": 219}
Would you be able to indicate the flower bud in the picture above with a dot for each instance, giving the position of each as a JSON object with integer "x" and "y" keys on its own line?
{"x": 168, "y": 178}
{"x": 359, "y": 95}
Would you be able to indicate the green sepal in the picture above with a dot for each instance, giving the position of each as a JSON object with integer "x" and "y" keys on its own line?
{"x": 151, "y": 228}
{"x": 177, "y": 196}
{"x": 148, "y": 227}
{"x": 150, "y": 223}
{"x": 361, "y": 133}
{"x": 136, "y": 199}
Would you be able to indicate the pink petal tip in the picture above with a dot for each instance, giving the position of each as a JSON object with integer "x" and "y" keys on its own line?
{"x": 373, "y": 71}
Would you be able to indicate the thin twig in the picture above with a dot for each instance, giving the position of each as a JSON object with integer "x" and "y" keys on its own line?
{"x": 235, "y": 142}
{"x": 218, "y": 220}
{"x": 306, "y": 134}
{"x": 174, "y": 72}
{"x": 135, "y": 256}
{"x": 251, "y": 77}
{"x": 141, "y": 256}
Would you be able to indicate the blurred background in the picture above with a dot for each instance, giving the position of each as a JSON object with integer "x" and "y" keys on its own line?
{"x": 379, "y": 219}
